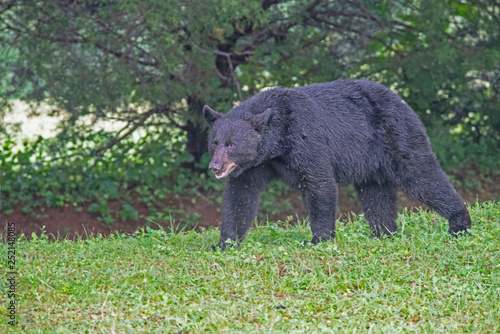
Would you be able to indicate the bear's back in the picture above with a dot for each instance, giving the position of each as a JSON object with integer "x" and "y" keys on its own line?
{"x": 353, "y": 103}
{"x": 359, "y": 122}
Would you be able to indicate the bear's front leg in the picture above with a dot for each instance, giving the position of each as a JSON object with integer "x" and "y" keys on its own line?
{"x": 240, "y": 203}
{"x": 321, "y": 202}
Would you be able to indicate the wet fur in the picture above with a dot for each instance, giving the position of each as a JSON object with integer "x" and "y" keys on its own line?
{"x": 313, "y": 137}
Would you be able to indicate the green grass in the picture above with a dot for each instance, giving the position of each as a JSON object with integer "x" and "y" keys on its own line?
{"x": 422, "y": 281}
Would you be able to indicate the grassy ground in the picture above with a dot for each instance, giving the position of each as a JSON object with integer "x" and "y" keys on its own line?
{"x": 163, "y": 282}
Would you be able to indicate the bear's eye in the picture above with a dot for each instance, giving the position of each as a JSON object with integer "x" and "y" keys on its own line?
{"x": 230, "y": 144}
{"x": 215, "y": 144}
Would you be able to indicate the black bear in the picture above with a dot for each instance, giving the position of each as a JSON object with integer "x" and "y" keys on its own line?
{"x": 313, "y": 137}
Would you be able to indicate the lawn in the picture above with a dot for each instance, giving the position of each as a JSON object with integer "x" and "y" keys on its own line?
{"x": 164, "y": 281}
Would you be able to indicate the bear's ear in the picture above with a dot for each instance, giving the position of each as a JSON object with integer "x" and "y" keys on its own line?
{"x": 261, "y": 119}
{"x": 211, "y": 115}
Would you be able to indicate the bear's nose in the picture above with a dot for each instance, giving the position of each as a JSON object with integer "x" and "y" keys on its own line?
{"x": 216, "y": 170}
{"x": 215, "y": 167}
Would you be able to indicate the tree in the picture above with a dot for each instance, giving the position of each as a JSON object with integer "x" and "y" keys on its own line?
{"x": 156, "y": 63}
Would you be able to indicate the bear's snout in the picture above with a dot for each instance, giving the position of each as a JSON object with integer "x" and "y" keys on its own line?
{"x": 220, "y": 164}
{"x": 215, "y": 169}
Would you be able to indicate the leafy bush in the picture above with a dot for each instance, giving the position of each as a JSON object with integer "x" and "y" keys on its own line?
{"x": 150, "y": 169}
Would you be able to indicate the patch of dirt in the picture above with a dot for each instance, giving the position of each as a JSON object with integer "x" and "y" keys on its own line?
{"x": 72, "y": 222}
{"x": 66, "y": 221}
{"x": 69, "y": 221}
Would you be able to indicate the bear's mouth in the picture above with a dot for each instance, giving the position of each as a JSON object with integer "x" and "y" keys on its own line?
{"x": 226, "y": 170}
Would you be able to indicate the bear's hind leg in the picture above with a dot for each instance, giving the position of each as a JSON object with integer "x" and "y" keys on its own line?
{"x": 431, "y": 186}
{"x": 379, "y": 205}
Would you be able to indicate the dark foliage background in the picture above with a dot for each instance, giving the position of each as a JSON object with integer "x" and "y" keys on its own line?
{"x": 151, "y": 65}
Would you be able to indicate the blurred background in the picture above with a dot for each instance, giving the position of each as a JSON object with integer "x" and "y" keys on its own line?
{"x": 100, "y": 101}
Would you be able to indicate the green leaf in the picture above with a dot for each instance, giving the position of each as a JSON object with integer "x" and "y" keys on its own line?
{"x": 128, "y": 211}
{"x": 94, "y": 207}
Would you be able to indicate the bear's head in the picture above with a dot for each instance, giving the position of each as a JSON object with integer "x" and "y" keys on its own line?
{"x": 234, "y": 141}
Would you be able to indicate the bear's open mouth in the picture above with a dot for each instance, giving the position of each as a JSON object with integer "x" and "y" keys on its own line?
{"x": 226, "y": 170}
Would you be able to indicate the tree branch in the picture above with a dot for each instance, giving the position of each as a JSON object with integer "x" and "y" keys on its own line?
{"x": 228, "y": 56}
{"x": 6, "y": 6}
{"x": 231, "y": 69}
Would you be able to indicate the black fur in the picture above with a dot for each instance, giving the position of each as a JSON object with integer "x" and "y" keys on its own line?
{"x": 313, "y": 137}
